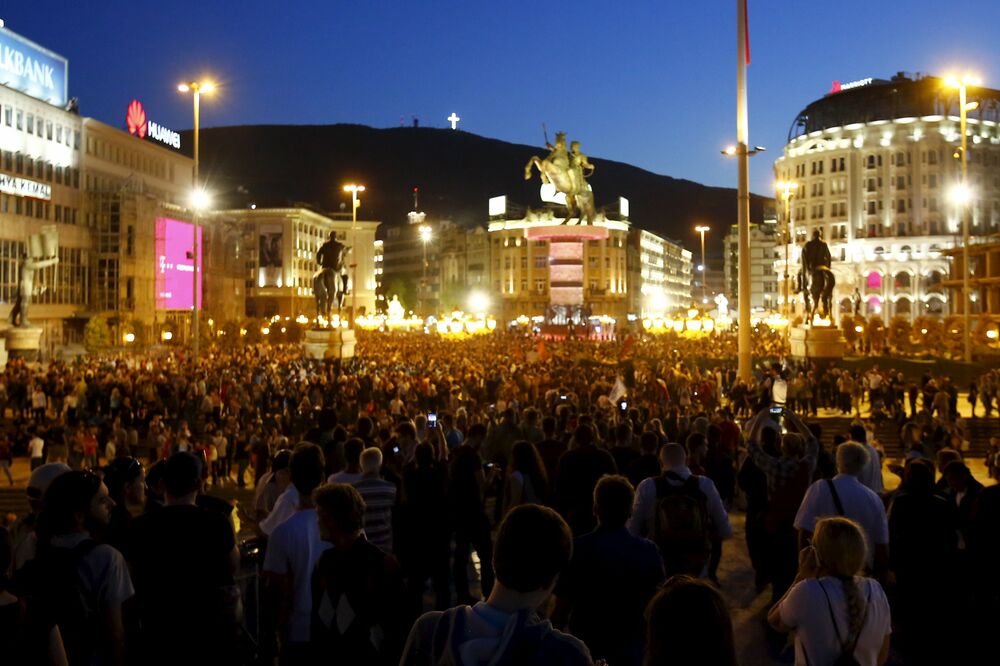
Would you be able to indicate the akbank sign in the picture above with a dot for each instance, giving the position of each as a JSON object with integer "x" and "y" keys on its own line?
{"x": 33, "y": 70}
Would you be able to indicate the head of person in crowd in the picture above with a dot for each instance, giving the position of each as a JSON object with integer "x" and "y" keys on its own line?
{"x": 279, "y": 468}
{"x": 371, "y": 462}
{"x": 340, "y": 511}
{"x": 39, "y": 482}
{"x": 700, "y": 425}
{"x": 958, "y": 475}
{"x": 672, "y": 457}
{"x": 858, "y": 433}
{"x": 583, "y": 436}
{"x": 476, "y": 436}
{"x": 623, "y": 434}
{"x": 306, "y": 470}
{"x": 852, "y": 458}
{"x": 365, "y": 428}
{"x": 533, "y": 545}
{"x": 840, "y": 547}
{"x": 126, "y": 481}
{"x": 945, "y": 457}
{"x": 838, "y": 439}
{"x": 918, "y": 477}
{"x": 406, "y": 437}
{"x": 649, "y": 442}
{"x": 769, "y": 439}
{"x": 613, "y": 497}
{"x": 182, "y": 478}
{"x": 154, "y": 482}
{"x": 423, "y": 455}
{"x": 792, "y": 445}
{"x": 352, "y": 453}
{"x": 524, "y": 458}
{"x": 74, "y": 502}
{"x": 696, "y": 446}
{"x": 687, "y": 623}
{"x": 549, "y": 427}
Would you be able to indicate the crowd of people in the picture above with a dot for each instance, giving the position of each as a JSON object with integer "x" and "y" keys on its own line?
{"x": 552, "y": 502}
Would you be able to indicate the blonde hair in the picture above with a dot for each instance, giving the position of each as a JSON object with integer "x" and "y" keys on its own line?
{"x": 841, "y": 550}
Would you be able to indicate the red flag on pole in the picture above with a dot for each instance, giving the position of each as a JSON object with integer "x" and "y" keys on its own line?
{"x": 746, "y": 29}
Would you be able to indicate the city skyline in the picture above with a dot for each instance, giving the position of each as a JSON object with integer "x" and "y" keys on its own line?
{"x": 615, "y": 83}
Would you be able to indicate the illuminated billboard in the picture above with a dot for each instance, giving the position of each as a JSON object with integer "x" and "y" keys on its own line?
{"x": 174, "y": 264}
{"x": 32, "y": 69}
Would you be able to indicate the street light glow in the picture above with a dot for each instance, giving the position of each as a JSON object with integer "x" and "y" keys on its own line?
{"x": 354, "y": 188}
{"x": 479, "y": 302}
{"x": 200, "y": 199}
{"x": 425, "y": 233}
{"x": 960, "y": 194}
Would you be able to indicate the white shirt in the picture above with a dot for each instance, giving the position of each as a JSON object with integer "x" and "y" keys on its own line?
{"x": 294, "y": 549}
{"x": 871, "y": 475}
{"x": 284, "y": 508}
{"x": 344, "y": 477}
{"x": 860, "y": 503}
{"x": 644, "y": 507}
{"x": 36, "y": 446}
{"x": 805, "y": 609}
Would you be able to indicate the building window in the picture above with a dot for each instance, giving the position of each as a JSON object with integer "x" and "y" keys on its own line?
{"x": 20, "y": 119}
{"x": 541, "y": 261}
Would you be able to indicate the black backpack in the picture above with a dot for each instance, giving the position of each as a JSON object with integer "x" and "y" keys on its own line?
{"x": 51, "y": 583}
{"x": 682, "y": 526}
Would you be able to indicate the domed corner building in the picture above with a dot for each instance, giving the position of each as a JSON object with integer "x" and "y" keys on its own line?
{"x": 874, "y": 162}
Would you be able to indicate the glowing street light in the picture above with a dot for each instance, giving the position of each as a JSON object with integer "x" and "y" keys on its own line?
{"x": 196, "y": 88}
{"x": 479, "y": 302}
{"x": 355, "y": 204}
{"x": 962, "y": 196}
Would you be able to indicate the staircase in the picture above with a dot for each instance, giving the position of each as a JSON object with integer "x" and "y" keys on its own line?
{"x": 980, "y": 431}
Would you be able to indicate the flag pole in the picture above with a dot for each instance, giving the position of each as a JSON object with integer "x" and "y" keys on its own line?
{"x": 743, "y": 192}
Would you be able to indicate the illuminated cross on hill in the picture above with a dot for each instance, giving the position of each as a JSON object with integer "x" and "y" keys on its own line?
{"x": 453, "y": 119}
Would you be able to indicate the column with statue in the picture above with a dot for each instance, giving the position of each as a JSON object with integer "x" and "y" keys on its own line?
{"x": 330, "y": 338}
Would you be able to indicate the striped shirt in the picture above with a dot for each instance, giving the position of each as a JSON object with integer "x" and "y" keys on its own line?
{"x": 379, "y": 496}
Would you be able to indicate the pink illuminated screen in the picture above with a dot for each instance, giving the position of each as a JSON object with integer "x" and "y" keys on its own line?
{"x": 174, "y": 265}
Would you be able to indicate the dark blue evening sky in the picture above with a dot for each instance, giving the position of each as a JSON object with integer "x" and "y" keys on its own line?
{"x": 651, "y": 83}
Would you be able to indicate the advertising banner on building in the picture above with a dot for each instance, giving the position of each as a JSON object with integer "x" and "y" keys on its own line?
{"x": 269, "y": 264}
{"x": 33, "y": 70}
{"x": 175, "y": 264}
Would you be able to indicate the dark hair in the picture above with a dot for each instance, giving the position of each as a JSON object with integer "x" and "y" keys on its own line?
{"x": 352, "y": 450}
{"x": 524, "y": 458}
{"x": 119, "y": 473}
{"x": 956, "y": 468}
{"x": 182, "y": 474}
{"x": 306, "y": 468}
{"x": 281, "y": 460}
{"x": 406, "y": 429}
{"x": 365, "y": 427}
{"x": 343, "y": 503}
{"x": 583, "y": 435}
{"x": 549, "y": 425}
{"x": 533, "y": 546}
{"x": 423, "y": 455}
{"x": 694, "y": 441}
{"x": 918, "y": 477}
{"x": 476, "y": 430}
{"x": 859, "y": 434}
{"x": 649, "y": 442}
{"x": 69, "y": 493}
{"x": 613, "y": 497}
{"x": 623, "y": 432}
{"x": 687, "y": 623}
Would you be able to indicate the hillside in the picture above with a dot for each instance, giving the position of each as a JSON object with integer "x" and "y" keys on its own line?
{"x": 457, "y": 172}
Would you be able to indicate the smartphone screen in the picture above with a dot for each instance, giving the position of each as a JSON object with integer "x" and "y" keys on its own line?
{"x": 432, "y": 420}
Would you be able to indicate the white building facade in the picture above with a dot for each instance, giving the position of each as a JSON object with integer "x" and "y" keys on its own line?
{"x": 764, "y": 281}
{"x": 873, "y": 165}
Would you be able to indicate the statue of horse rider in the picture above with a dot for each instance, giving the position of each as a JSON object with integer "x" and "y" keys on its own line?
{"x": 816, "y": 260}
{"x": 330, "y": 282}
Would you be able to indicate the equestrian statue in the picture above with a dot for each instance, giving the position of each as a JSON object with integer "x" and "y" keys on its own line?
{"x": 816, "y": 262}
{"x": 330, "y": 281}
{"x": 567, "y": 171}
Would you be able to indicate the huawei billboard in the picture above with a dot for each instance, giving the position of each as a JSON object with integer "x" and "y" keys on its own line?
{"x": 174, "y": 282}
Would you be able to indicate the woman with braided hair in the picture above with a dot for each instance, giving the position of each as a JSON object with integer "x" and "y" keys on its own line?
{"x": 839, "y": 616}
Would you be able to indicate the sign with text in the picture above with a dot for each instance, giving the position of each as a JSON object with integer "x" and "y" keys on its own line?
{"x": 22, "y": 187}
{"x": 140, "y": 126}
{"x": 175, "y": 264}
{"x": 33, "y": 70}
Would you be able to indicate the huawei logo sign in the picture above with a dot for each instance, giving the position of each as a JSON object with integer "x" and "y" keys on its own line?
{"x": 135, "y": 118}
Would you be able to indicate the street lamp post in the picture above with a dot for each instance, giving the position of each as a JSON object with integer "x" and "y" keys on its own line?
{"x": 196, "y": 88}
{"x": 786, "y": 189}
{"x": 425, "y": 235}
{"x": 964, "y": 201}
{"x": 355, "y": 204}
{"x": 701, "y": 229}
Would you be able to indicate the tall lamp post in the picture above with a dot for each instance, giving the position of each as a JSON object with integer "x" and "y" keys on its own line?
{"x": 196, "y": 88}
{"x": 425, "y": 235}
{"x": 786, "y": 189}
{"x": 355, "y": 204}
{"x": 962, "y": 197}
{"x": 701, "y": 229}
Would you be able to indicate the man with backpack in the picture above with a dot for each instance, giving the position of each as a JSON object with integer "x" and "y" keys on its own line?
{"x": 680, "y": 512}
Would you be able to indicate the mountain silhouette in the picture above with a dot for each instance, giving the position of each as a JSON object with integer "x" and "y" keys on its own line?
{"x": 456, "y": 173}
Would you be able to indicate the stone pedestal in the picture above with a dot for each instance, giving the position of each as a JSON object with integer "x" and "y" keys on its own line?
{"x": 329, "y": 343}
{"x": 23, "y": 342}
{"x": 820, "y": 343}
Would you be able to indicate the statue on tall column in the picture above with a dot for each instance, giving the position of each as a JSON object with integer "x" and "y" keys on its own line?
{"x": 41, "y": 252}
{"x": 567, "y": 172}
{"x": 817, "y": 261}
{"x": 330, "y": 281}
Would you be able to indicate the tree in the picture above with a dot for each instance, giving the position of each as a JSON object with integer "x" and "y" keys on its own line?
{"x": 847, "y": 326}
{"x": 96, "y": 335}
{"x": 954, "y": 336}
{"x": 875, "y": 334}
{"x": 927, "y": 334}
{"x": 900, "y": 332}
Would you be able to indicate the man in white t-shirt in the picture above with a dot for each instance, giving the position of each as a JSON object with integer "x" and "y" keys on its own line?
{"x": 871, "y": 475}
{"x": 36, "y": 449}
{"x": 293, "y": 550}
{"x": 856, "y": 501}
